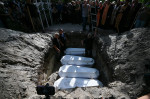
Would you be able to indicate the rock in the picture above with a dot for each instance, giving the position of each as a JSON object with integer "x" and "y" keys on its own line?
{"x": 53, "y": 77}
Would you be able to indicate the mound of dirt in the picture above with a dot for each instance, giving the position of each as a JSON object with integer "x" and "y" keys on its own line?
{"x": 21, "y": 55}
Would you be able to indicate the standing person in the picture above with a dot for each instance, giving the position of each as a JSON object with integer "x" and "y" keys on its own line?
{"x": 88, "y": 43}
{"x": 99, "y": 14}
{"x": 85, "y": 10}
{"x": 73, "y": 13}
{"x": 57, "y": 46}
{"x": 60, "y": 9}
{"x": 69, "y": 8}
{"x": 143, "y": 18}
{"x": 77, "y": 12}
{"x": 122, "y": 17}
{"x": 114, "y": 13}
{"x": 107, "y": 14}
{"x": 89, "y": 19}
{"x": 65, "y": 13}
{"x": 55, "y": 14}
{"x": 62, "y": 38}
{"x": 135, "y": 6}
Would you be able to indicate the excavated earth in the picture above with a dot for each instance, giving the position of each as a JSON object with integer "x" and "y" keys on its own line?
{"x": 28, "y": 60}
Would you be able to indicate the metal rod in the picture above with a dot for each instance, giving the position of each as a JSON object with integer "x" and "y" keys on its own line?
{"x": 43, "y": 9}
{"x": 37, "y": 5}
{"x": 31, "y": 18}
{"x": 49, "y": 8}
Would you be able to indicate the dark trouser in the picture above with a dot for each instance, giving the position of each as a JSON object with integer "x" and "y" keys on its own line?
{"x": 1, "y": 24}
{"x": 140, "y": 23}
{"x": 90, "y": 27}
{"x": 88, "y": 53}
{"x": 84, "y": 20}
{"x": 62, "y": 50}
{"x": 58, "y": 56}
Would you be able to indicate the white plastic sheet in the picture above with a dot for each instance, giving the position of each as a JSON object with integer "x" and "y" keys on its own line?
{"x": 78, "y": 71}
{"x": 77, "y": 60}
{"x": 75, "y": 51}
{"x": 66, "y": 83}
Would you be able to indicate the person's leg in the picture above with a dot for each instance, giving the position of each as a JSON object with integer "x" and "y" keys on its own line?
{"x": 90, "y": 26}
{"x": 137, "y": 24}
{"x": 84, "y": 22}
{"x": 62, "y": 50}
{"x": 57, "y": 56}
{"x": 86, "y": 53}
{"x": 143, "y": 23}
{"x": 1, "y": 24}
{"x": 78, "y": 17}
{"x": 90, "y": 53}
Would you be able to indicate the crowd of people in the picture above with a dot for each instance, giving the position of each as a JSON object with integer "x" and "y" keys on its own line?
{"x": 67, "y": 13}
{"x": 121, "y": 16}
{"x": 117, "y": 15}
{"x": 20, "y": 15}
{"x": 13, "y": 15}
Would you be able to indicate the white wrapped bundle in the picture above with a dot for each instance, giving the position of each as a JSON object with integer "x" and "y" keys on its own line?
{"x": 75, "y": 51}
{"x": 77, "y": 60}
{"x": 66, "y": 83}
{"x": 78, "y": 71}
